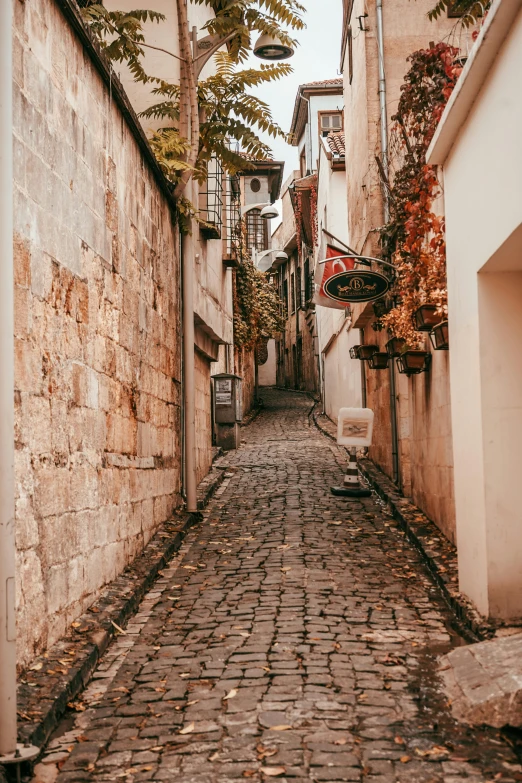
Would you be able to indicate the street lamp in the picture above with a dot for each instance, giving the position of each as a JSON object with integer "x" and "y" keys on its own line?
{"x": 269, "y": 48}
{"x": 267, "y": 211}
{"x": 263, "y": 261}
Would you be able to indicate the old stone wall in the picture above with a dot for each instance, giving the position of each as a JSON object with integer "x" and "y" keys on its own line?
{"x": 97, "y": 384}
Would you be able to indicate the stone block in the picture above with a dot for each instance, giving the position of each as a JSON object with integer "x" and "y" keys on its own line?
{"x": 484, "y": 682}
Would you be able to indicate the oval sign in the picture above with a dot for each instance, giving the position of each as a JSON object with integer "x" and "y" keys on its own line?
{"x": 355, "y": 286}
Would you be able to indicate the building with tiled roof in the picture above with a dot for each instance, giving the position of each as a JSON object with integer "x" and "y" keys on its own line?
{"x": 325, "y": 94}
{"x": 336, "y": 143}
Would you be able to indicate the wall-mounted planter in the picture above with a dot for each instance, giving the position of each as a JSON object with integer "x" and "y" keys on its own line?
{"x": 439, "y": 336}
{"x": 379, "y": 361}
{"x": 414, "y": 362}
{"x": 381, "y": 307}
{"x": 426, "y": 317}
{"x": 395, "y": 346}
{"x": 354, "y": 351}
{"x": 366, "y": 352}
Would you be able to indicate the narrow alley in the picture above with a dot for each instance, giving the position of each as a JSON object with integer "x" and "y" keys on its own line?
{"x": 294, "y": 636}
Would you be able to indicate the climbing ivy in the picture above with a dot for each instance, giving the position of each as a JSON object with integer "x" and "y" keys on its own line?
{"x": 413, "y": 239}
{"x": 257, "y": 306}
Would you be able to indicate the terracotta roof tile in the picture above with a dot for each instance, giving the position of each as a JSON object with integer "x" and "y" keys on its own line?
{"x": 336, "y": 142}
{"x": 324, "y": 82}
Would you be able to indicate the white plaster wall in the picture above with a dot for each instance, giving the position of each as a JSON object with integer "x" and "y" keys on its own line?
{"x": 342, "y": 375}
{"x": 483, "y": 198}
{"x": 321, "y": 103}
{"x": 268, "y": 371}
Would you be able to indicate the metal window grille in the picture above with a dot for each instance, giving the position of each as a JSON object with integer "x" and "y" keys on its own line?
{"x": 257, "y": 231}
{"x": 234, "y": 231}
{"x": 211, "y": 200}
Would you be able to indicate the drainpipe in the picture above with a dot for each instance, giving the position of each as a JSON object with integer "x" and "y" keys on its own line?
{"x": 363, "y": 375}
{"x": 386, "y": 204}
{"x": 187, "y": 262}
{"x": 7, "y": 522}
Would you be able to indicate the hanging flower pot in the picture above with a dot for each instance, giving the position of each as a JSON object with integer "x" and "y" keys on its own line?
{"x": 354, "y": 351}
{"x": 395, "y": 346}
{"x": 379, "y": 361}
{"x": 413, "y": 362}
{"x": 381, "y": 307}
{"x": 439, "y": 336}
{"x": 426, "y": 317}
{"x": 366, "y": 352}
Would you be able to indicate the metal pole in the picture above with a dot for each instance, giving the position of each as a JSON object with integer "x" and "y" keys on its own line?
{"x": 187, "y": 260}
{"x": 363, "y": 375}
{"x": 7, "y": 522}
{"x": 382, "y": 104}
{"x": 386, "y": 208}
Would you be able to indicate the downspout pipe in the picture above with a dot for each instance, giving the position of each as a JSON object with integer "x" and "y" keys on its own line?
{"x": 7, "y": 517}
{"x": 386, "y": 205}
{"x": 187, "y": 262}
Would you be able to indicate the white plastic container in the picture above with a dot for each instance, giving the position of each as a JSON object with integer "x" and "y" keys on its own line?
{"x": 355, "y": 427}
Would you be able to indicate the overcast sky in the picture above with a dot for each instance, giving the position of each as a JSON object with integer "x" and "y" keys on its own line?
{"x": 316, "y": 58}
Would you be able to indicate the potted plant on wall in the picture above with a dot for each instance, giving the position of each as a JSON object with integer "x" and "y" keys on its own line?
{"x": 413, "y": 361}
{"x": 439, "y": 336}
{"x": 413, "y": 238}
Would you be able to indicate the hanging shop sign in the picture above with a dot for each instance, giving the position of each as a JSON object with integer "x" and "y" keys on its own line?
{"x": 334, "y": 264}
{"x": 356, "y": 286}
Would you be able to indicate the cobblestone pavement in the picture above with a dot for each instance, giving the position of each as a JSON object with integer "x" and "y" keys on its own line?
{"x": 293, "y": 637}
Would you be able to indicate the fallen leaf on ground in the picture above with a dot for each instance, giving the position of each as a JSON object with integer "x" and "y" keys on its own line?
{"x": 399, "y": 740}
{"x": 264, "y": 753}
{"x": 187, "y": 729}
{"x": 185, "y": 675}
{"x": 437, "y": 750}
{"x": 286, "y": 568}
{"x": 249, "y": 773}
{"x": 335, "y": 523}
{"x": 341, "y": 741}
{"x": 405, "y": 759}
{"x": 36, "y": 667}
{"x": 191, "y": 568}
{"x": 273, "y": 772}
{"x": 190, "y": 703}
{"x": 230, "y": 694}
{"x": 283, "y": 727}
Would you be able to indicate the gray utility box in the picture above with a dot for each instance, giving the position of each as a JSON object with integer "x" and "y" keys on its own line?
{"x": 228, "y": 409}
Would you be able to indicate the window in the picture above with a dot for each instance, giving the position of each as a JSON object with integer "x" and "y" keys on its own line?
{"x": 292, "y": 292}
{"x": 308, "y": 282}
{"x": 298, "y": 292}
{"x": 257, "y": 230}
{"x": 285, "y": 297}
{"x": 330, "y": 121}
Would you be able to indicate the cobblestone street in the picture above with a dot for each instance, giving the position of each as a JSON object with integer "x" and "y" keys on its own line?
{"x": 294, "y": 637}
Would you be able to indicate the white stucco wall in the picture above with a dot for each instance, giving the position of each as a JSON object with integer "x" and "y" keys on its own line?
{"x": 268, "y": 371}
{"x": 483, "y": 201}
{"x": 342, "y": 375}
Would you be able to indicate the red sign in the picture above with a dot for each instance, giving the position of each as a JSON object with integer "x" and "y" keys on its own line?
{"x": 327, "y": 270}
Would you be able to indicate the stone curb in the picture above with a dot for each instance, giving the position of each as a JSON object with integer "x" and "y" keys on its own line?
{"x": 50, "y": 684}
{"x": 437, "y": 552}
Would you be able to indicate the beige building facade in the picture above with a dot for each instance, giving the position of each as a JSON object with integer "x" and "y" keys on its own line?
{"x": 419, "y": 457}
{"x": 477, "y": 144}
